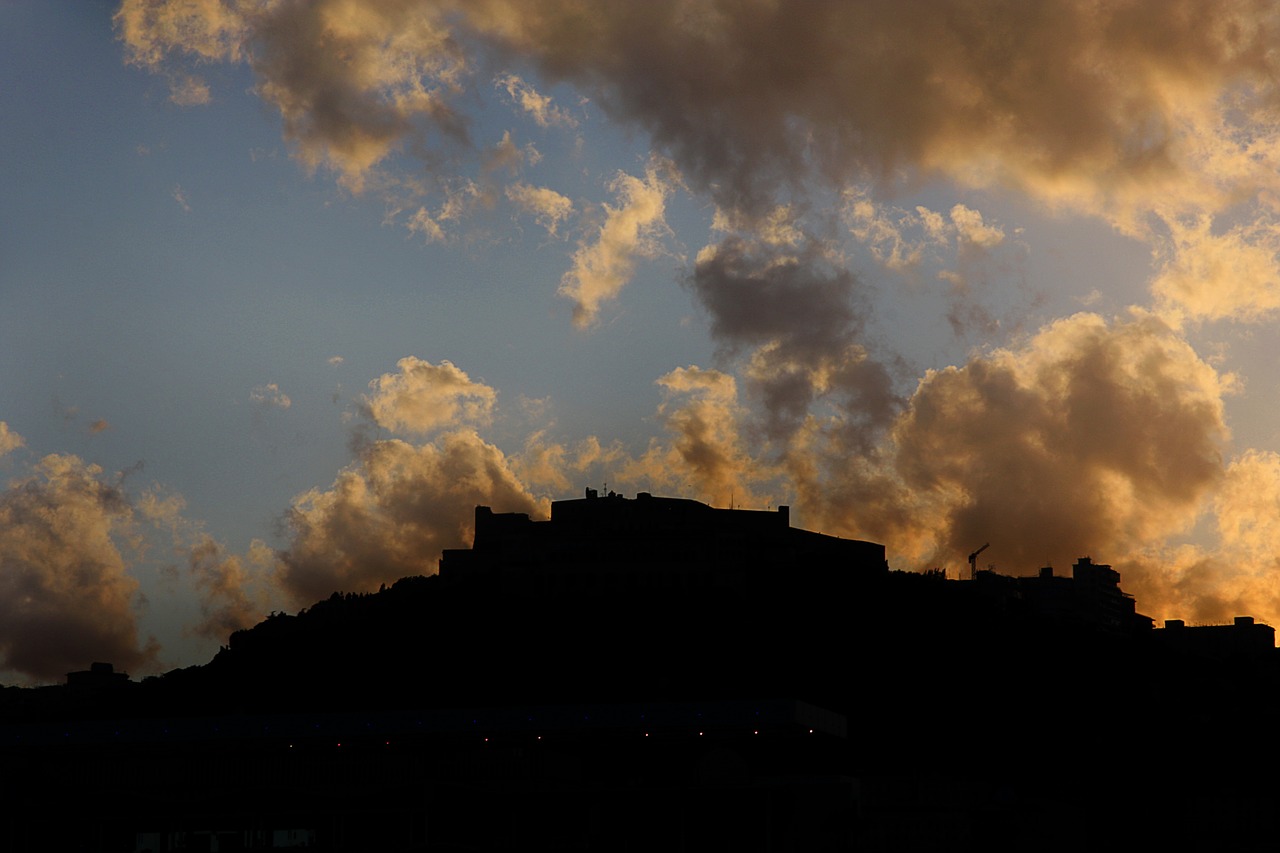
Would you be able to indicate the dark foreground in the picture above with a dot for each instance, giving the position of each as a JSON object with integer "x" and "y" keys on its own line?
{"x": 893, "y": 712}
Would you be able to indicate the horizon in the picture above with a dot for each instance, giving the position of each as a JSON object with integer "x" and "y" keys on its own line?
{"x": 460, "y": 574}
{"x": 287, "y": 289}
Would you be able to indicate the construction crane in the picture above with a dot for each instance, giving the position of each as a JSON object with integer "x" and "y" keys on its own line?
{"x": 973, "y": 561}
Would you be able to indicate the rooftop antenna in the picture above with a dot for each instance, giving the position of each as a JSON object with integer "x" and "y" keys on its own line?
{"x": 973, "y": 561}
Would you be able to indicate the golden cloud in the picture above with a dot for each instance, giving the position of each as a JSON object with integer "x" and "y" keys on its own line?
{"x": 423, "y": 397}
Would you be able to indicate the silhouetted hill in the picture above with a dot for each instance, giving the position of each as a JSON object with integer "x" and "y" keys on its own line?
{"x": 992, "y": 712}
{"x": 911, "y": 657}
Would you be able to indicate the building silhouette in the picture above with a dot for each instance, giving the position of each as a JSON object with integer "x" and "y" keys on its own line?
{"x": 98, "y": 675}
{"x": 1242, "y": 638}
{"x": 612, "y": 543}
{"x": 1091, "y": 597}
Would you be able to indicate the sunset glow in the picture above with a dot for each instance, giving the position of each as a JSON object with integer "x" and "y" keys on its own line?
{"x": 288, "y": 287}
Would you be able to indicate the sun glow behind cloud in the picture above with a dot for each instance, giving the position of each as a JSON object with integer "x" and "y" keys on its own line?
{"x": 836, "y": 194}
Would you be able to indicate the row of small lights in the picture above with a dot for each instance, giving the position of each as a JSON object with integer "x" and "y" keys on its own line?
{"x": 474, "y": 721}
{"x": 539, "y": 737}
{"x": 388, "y": 743}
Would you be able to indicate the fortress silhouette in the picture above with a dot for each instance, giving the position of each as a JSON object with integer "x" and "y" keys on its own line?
{"x": 654, "y": 673}
{"x": 674, "y": 544}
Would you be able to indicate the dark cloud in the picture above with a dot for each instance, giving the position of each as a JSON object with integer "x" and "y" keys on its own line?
{"x": 802, "y": 320}
{"x": 1097, "y": 104}
{"x": 226, "y": 584}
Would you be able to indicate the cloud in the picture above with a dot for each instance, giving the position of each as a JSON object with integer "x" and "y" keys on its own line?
{"x": 779, "y": 227}
{"x": 803, "y": 318}
{"x": 460, "y": 198}
{"x": 903, "y": 240}
{"x": 504, "y": 156}
{"x": 66, "y": 598}
{"x": 348, "y": 79}
{"x": 1089, "y": 438}
{"x": 423, "y": 397}
{"x": 971, "y": 230}
{"x": 228, "y": 585}
{"x": 547, "y": 206}
{"x": 270, "y": 396}
{"x": 1237, "y": 571}
{"x": 757, "y": 294}
{"x": 1081, "y": 104}
{"x": 539, "y": 107}
{"x": 549, "y": 465}
{"x": 1093, "y": 106}
{"x": 181, "y": 198}
{"x": 231, "y": 589}
{"x": 1216, "y": 275}
{"x": 100, "y": 425}
{"x": 543, "y": 463}
{"x": 351, "y": 81}
{"x": 706, "y": 456}
{"x": 397, "y": 505}
{"x": 335, "y": 360}
{"x": 884, "y": 231}
{"x": 959, "y": 249}
{"x": 390, "y": 513}
{"x": 9, "y": 440}
{"x": 630, "y": 230}
{"x": 186, "y": 90}
{"x": 206, "y": 29}
{"x": 162, "y": 508}
{"x": 422, "y": 222}
{"x": 1091, "y": 434}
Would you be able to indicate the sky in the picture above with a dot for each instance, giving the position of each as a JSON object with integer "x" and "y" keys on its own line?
{"x": 288, "y": 288}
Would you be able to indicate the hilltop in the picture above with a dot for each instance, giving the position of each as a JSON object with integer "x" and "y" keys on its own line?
{"x": 616, "y": 609}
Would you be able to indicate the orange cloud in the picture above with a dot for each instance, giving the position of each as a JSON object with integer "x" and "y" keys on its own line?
{"x": 1237, "y": 571}
{"x": 1090, "y": 437}
{"x": 270, "y": 396}
{"x": 66, "y": 598}
{"x": 706, "y": 456}
{"x": 1100, "y": 107}
{"x": 630, "y": 230}
{"x": 229, "y": 586}
{"x": 547, "y": 206}
{"x": 424, "y": 397}
{"x": 1210, "y": 274}
{"x": 391, "y": 512}
{"x": 9, "y": 440}
{"x": 538, "y": 106}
